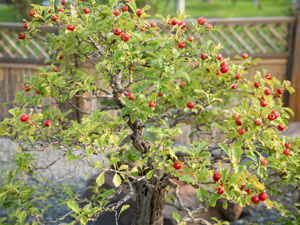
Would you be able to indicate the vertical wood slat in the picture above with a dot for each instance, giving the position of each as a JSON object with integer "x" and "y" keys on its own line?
{"x": 294, "y": 103}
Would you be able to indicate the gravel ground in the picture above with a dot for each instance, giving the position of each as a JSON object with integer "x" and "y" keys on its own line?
{"x": 56, "y": 172}
{"x": 257, "y": 214}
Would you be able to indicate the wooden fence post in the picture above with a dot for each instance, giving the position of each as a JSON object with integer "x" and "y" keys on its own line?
{"x": 294, "y": 100}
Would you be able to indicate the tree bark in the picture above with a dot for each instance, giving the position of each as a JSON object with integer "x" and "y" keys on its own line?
{"x": 150, "y": 204}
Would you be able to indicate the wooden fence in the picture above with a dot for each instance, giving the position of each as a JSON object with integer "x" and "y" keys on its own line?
{"x": 274, "y": 39}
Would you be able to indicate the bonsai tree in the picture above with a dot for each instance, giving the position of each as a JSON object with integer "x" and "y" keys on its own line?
{"x": 158, "y": 76}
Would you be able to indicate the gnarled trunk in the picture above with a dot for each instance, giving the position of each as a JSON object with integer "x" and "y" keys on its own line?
{"x": 150, "y": 204}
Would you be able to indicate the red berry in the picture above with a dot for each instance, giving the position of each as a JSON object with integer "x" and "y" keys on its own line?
{"x": 153, "y": 24}
{"x": 276, "y": 95}
{"x": 191, "y": 38}
{"x": 224, "y": 69}
{"x": 288, "y": 145}
{"x": 224, "y": 64}
{"x": 21, "y": 35}
{"x": 61, "y": 10}
{"x": 177, "y": 165}
{"x": 263, "y": 196}
{"x": 160, "y": 94}
{"x": 238, "y": 76}
{"x": 70, "y": 27}
{"x": 233, "y": 87}
{"x": 241, "y": 130}
{"x": 116, "y": 12}
{"x": 124, "y": 8}
{"x": 117, "y": 31}
{"x": 86, "y": 10}
{"x": 125, "y": 37}
{"x": 288, "y": 83}
{"x": 245, "y": 56}
{"x": 271, "y": 116}
{"x": 174, "y": 22}
{"x": 24, "y": 117}
{"x": 61, "y": 57}
{"x": 48, "y": 123}
{"x": 26, "y": 88}
{"x": 182, "y": 24}
{"x": 26, "y": 25}
{"x": 236, "y": 116}
{"x": 263, "y": 161}
{"x": 63, "y": 2}
{"x": 281, "y": 127}
{"x": 280, "y": 91}
{"x": 204, "y": 56}
{"x": 286, "y": 152}
{"x": 269, "y": 76}
{"x": 219, "y": 73}
{"x": 143, "y": 28}
{"x": 152, "y": 103}
{"x": 53, "y": 18}
{"x": 256, "y": 84}
{"x": 276, "y": 114}
{"x": 216, "y": 177}
{"x": 130, "y": 95}
{"x": 181, "y": 44}
{"x": 190, "y": 105}
{"x": 255, "y": 199}
{"x": 247, "y": 190}
{"x": 37, "y": 92}
{"x": 267, "y": 91}
{"x": 209, "y": 26}
{"x": 31, "y": 13}
{"x": 220, "y": 189}
{"x": 183, "y": 84}
{"x": 201, "y": 21}
{"x": 258, "y": 121}
{"x": 219, "y": 56}
{"x": 238, "y": 122}
{"x": 263, "y": 103}
{"x": 139, "y": 12}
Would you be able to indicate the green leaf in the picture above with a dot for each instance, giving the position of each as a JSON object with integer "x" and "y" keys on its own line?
{"x": 15, "y": 112}
{"x": 117, "y": 180}
{"x": 237, "y": 152}
{"x": 245, "y": 103}
{"x": 74, "y": 206}
{"x": 149, "y": 174}
{"x": 22, "y": 217}
{"x": 92, "y": 20}
{"x": 187, "y": 179}
{"x": 83, "y": 220}
{"x": 123, "y": 167}
{"x": 124, "y": 207}
{"x": 112, "y": 3}
{"x": 100, "y": 179}
{"x": 224, "y": 175}
{"x": 184, "y": 75}
{"x": 213, "y": 199}
{"x": 202, "y": 194}
{"x": 202, "y": 146}
{"x": 225, "y": 148}
{"x": 113, "y": 161}
{"x": 176, "y": 216}
{"x": 225, "y": 204}
{"x": 132, "y": 5}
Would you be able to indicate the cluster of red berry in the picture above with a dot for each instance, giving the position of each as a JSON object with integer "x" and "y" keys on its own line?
{"x": 221, "y": 189}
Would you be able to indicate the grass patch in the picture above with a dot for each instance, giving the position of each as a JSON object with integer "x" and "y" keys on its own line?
{"x": 7, "y": 14}
{"x": 227, "y": 9}
{"x": 197, "y": 8}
